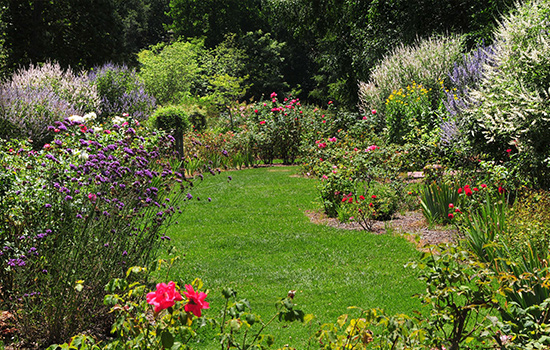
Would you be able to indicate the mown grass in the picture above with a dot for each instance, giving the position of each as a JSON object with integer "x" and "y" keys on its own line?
{"x": 255, "y": 237}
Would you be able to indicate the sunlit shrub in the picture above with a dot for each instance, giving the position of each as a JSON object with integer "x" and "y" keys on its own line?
{"x": 121, "y": 91}
{"x": 427, "y": 63}
{"x": 78, "y": 213}
{"x": 510, "y": 107}
{"x": 38, "y": 96}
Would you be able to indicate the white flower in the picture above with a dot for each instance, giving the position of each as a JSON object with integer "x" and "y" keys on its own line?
{"x": 83, "y": 155}
{"x": 97, "y": 129}
{"x": 76, "y": 118}
{"x": 90, "y": 116}
{"x": 118, "y": 120}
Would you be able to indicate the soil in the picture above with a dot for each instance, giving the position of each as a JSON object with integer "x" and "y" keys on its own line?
{"x": 411, "y": 225}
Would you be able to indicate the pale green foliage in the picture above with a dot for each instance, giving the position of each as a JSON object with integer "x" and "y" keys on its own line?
{"x": 427, "y": 63}
{"x": 512, "y": 102}
{"x": 169, "y": 71}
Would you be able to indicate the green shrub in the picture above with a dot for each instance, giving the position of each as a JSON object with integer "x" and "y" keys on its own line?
{"x": 511, "y": 105}
{"x": 170, "y": 71}
{"x": 171, "y": 118}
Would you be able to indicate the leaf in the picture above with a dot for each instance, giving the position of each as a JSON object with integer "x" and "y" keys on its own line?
{"x": 342, "y": 319}
{"x": 308, "y": 318}
{"x": 235, "y": 324}
{"x": 197, "y": 283}
{"x": 251, "y": 319}
{"x": 167, "y": 339}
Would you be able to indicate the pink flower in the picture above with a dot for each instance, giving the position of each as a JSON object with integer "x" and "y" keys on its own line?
{"x": 373, "y": 111}
{"x": 508, "y": 150}
{"x": 255, "y": 111}
{"x": 195, "y": 301}
{"x": 165, "y": 296}
{"x": 451, "y": 205}
{"x": 273, "y": 95}
{"x": 365, "y": 118}
{"x": 106, "y": 131}
{"x": 47, "y": 146}
{"x": 324, "y": 121}
{"x": 362, "y": 197}
{"x": 329, "y": 102}
{"x": 262, "y": 122}
{"x": 324, "y": 177}
{"x": 371, "y": 148}
{"x": 332, "y": 139}
{"x": 483, "y": 186}
{"x": 92, "y": 197}
{"x": 451, "y": 216}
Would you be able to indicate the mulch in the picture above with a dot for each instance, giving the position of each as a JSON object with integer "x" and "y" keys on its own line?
{"x": 411, "y": 225}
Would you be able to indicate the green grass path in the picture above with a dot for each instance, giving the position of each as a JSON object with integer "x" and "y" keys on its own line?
{"x": 255, "y": 237}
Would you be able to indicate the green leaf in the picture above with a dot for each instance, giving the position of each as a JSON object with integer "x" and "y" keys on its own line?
{"x": 167, "y": 339}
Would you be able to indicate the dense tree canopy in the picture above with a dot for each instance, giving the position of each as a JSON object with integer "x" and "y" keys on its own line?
{"x": 80, "y": 33}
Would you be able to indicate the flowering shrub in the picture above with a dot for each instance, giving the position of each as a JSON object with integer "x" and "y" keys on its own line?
{"x": 409, "y": 114}
{"x": 511, "y": 103}
{"x": 178, "y": 321}
{"x": 368, "y": 208}
{"x": 121, "y": 91}
{"x": 277, "y": 129}
{"x": 76, "y": 214}
{"x": 357, "y": 171}
{"x": 38, "y": 96}
{"x": 427, "y": 63}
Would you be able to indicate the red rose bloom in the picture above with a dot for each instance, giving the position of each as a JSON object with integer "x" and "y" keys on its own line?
{"x": 196, "y": 301}
{"x": 164, "y": 297}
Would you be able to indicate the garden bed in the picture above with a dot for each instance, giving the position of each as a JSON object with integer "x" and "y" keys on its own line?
{"x": 410, "y": 223}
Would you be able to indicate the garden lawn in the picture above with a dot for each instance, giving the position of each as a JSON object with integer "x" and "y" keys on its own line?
{"x": 255, "y": 237}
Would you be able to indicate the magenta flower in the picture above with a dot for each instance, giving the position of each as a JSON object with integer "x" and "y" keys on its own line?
{"x": 164, "y": 297}
{"x": 195, "y": 301}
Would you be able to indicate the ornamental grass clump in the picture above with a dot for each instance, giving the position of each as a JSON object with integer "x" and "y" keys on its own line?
{"x": 78, "y": 213}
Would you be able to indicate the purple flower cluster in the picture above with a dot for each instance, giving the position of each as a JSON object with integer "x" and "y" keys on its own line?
{"x": 464, "y": 77}
{"x": 121, "y": 91}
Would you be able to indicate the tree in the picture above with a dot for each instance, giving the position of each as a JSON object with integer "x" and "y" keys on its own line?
{"x": 80, "y": 33}
{"x": 214, "y": 19}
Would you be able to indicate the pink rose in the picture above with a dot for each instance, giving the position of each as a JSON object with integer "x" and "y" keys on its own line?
{"x": 165, "y": 296}
{"x": 195, "y": 301}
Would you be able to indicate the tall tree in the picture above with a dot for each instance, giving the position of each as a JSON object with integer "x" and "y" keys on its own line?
{"x": 214, "y": 19}
{"x": 80, "y": 33}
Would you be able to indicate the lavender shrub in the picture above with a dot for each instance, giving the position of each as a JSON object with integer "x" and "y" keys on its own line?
{"x": 465, "y": 76}
{"x": 121, "y": 91}
{"x": 78, "y": 213}
{"x": 38, "y": 96}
